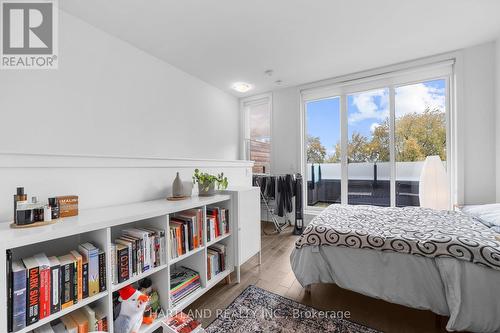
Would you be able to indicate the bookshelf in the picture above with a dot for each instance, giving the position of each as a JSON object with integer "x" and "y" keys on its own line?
{"x": 101, "y": 226}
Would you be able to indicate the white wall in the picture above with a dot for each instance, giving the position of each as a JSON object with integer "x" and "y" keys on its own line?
{"x": 110, "y": 99}
{"x": 477, "y": 117}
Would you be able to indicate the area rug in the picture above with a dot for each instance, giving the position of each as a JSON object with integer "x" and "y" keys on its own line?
{"x": 258, "y": 310}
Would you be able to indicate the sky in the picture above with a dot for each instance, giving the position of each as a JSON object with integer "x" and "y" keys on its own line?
{"x": 365, "y": 111}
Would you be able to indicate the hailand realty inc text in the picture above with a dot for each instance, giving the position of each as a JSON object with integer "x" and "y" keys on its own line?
{"x": 29, "y": 34}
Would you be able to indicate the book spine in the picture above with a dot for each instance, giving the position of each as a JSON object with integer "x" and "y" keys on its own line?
{"x": 102, "y": 271}
{"x": 55, "y": 292}
{"x": 85, "y": 279}
{"x": 10, "y": 292}
{"x": 123, "y": 265}
{"x": 66, "y": 286}
{"x": 75, "y": 282}
{"x": 114, "y": 265}
{"x": 32, "y": 306}
{"x": 93, "y": 272}
{"x": 18, "y": 318}
{"x": 44, "y": 293}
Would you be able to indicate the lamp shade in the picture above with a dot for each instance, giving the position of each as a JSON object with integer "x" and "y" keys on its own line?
{"x": 434, "y": 191}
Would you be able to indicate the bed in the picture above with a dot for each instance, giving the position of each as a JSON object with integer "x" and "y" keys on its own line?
{"x": 443, "y": 261}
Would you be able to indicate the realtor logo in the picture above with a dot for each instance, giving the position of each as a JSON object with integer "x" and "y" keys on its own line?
{"x": 29, "y": 34}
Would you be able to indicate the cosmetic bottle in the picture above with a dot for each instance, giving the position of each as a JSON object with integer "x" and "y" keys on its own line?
{"x": 24, "y": 213}
{"x": 47, "y": 213}
{"x": 54, "y": 205}
{"x": 19, "y": 197}
{"x": 37, "y": 210}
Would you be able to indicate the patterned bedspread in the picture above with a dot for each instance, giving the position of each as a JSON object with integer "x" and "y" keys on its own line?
{"x": 411, "y": 230}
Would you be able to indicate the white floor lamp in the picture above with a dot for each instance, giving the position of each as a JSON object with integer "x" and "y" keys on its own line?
{"x": 434, "y": 189}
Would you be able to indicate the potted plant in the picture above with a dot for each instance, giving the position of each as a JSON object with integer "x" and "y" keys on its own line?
{"x": 206, "y": 182}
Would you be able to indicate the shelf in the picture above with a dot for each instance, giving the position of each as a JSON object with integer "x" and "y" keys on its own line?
{"x": 64, "y": 312}
{"x": 218, "y": 239}
{"x": 218, "y": 278}
{"x": 185, "y": 255}
{"x": 138, "y": 277}
{"x": 101, "y": 218}
{"x": 153, "y": 326}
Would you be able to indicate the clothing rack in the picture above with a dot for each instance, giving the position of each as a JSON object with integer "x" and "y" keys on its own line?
{"x": 280, "y": 188}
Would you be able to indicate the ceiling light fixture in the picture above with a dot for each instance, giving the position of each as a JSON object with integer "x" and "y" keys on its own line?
{"x": 242, "y": 87}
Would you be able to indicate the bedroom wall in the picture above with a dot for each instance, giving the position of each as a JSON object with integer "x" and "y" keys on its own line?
{"x": 132, "y": 119}
{"x": 478, "y": 119}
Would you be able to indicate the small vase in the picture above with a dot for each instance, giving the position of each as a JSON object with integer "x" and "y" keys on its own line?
{"x": 204, "y": 192}
{"x": 177, "y": 187}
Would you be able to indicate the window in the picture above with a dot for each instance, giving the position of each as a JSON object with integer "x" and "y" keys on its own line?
{"x": 366, "y": 141}
{"x": 257, "y": 129}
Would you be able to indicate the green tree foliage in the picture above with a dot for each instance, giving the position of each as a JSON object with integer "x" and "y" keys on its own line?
{"x": 417, "y": 135}
{"x": 316, "y": 152}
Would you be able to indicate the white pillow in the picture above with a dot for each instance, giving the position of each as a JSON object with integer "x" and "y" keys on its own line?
{"x": 489, "y": 214}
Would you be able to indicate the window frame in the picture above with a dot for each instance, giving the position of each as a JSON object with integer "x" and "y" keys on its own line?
{"x": 244, "y": 103}
{"x": 440, "y": 70}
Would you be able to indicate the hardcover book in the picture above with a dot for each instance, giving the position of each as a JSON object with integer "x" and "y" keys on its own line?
{"x": 19, "y": 294}
{"x": 85, "y": 278}
{"x": 91, "y": 253}
{"x": 79, "y": 274}
{"x": 55, "y": 282}
{"x": 45, "y": 284}
{"x": 67, "y": 280}
{"x": 33, "y": 289}
{"x": 122, "y": 256}
{"x": 102, "y": 271}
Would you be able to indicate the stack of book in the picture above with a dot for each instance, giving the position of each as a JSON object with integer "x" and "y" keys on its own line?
{"x": 186, "y": 232}
{"x": 217, "y": 222}
{"x": 39, "y": 286}
{"x": 85, "y": 319}
{"x": 137, "y": 251}
{"x": 183, "y": 282}
{"x": 216, "y": 260}
{"x": 183, "y": 323}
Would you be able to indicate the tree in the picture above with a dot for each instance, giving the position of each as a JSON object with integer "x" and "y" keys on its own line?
{"x": 316, "y": 152}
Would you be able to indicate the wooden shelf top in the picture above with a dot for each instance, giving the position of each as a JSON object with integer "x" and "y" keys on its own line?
{"x": 100, "y": 218}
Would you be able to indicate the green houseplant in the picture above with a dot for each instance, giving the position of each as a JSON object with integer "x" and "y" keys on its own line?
{"x": 206, "y": 182}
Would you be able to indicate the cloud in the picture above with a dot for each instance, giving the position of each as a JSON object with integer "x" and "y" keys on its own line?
{"x": 370, "y": 105}
{"x": 412, "y": 98}
{"x": 417, "y": 97}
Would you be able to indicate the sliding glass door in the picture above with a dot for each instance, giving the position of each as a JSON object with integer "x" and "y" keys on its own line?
{"x": 369, "y": 143}
{"x": 368, "y": 154}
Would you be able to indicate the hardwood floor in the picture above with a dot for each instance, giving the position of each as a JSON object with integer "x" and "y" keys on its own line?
{"x": 275, "y": 275}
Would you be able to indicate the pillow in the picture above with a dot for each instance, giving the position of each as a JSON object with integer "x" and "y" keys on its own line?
{"x": 489, "y": 214}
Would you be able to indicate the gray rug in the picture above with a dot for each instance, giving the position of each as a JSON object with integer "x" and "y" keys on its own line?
{"x": 258, "y": 310}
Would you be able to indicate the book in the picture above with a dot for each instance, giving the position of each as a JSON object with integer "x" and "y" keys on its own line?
{"x": 33, "y": 290}
{"x": 102, "y": 271}
{"x": 101, "y": 322}
{"x": 45, "y": 285}
{"x": 81, "y": 321}
{"x": 67, "y": 280}
{"x": 91, "y": 318}
{"x": 146, "y": 241}
{"x": 91, "y": 253}
{"x": 183, "y": 323}
{"x": 136, "y": 253}
{"x": 10, "y": 295}
{"x": 79, "y": 274}
{"x": 55, "y": 284}
{"x": 58, "y": 327}
{"x": 123, "y": 261}
{"x": 114, "y": 264}
{"x": 130, "y": 256}
{"x": 69, "y": 323}
{"x": 18, "y": 306}
{"x": 85, "y": 277}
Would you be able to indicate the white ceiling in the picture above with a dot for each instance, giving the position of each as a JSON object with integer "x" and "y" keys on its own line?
{"x": 223, "y": 41}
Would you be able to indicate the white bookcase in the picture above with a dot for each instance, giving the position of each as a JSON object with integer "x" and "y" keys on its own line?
{"x": 101, "y": 226}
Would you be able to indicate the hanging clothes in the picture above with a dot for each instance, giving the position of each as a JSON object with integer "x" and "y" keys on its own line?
{"x": 285, "y": 195}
